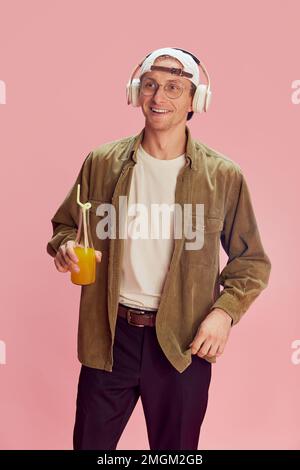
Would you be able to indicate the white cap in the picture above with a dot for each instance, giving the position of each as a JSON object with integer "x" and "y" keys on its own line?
{"x": 189, "y": 64}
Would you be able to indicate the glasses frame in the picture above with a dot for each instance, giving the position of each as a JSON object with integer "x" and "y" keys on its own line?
{"x": 157, "y": 85}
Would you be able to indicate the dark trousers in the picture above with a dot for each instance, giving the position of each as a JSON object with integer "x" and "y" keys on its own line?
{"x": 174, "y": 403}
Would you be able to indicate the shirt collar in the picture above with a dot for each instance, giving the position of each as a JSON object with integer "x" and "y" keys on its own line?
{"x": 190, "y": 151}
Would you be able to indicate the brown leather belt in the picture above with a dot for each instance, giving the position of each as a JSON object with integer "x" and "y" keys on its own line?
{"x": 136, "y": 316}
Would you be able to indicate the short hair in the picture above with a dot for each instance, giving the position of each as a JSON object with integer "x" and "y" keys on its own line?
{"x": 192, "y": 92}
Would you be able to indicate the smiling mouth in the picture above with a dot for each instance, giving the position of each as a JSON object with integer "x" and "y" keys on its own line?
{"x": 159, "y": 111}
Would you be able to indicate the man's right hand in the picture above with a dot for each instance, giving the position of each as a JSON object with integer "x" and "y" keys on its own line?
{"x": 66, "y": 259}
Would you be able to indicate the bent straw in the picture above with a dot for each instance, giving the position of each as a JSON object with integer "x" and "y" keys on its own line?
{"x": 84, "y": 208}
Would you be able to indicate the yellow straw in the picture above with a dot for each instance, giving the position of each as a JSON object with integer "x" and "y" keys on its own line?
{"x": 84, "y": 208}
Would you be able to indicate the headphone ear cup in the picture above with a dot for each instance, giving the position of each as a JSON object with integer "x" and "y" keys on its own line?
{"x": 201, "y": 99}
{"x": 208, "y": 99}
{"x": 132, "y": 92}
{"x": 128, "y": 93}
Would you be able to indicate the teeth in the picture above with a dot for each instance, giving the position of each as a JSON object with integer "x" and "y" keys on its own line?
{"x": 159, "y": 110}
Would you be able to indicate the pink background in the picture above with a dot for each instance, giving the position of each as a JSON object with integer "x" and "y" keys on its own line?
{"x": 66, "y": 65}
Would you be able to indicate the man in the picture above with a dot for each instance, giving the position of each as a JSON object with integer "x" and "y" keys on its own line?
{"x": 155, "y": 320}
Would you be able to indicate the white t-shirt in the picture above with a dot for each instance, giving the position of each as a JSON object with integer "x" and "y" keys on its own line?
{"x": 146, "y": 260}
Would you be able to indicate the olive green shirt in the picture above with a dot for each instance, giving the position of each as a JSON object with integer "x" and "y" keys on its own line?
{"x": 192, "y": 285}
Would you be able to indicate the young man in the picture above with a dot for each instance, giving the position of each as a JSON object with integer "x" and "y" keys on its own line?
{"x": 155, "y": 320}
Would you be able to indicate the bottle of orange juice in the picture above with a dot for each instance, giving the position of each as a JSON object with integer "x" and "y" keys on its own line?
{"x": 84, "y": 248}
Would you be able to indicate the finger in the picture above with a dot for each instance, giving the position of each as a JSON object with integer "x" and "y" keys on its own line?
{"x": 72, "y": 257}
{"x": 67, "y": 260}
{"x": 98, "y": 256}
{"x": 197, "y": 343}
{"x": 220, "y": 349}
{"x": 59, "y": 267}
{"x": 60, "y": 259}
{"x": 70, "y": 251}
{"x": 213, "y": 349}
{"x": 204, "y": 348}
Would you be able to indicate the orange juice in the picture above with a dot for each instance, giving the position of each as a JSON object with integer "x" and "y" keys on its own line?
{"x": 87, "y": 265}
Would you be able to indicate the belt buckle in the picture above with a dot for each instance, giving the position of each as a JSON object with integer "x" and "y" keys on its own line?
{"x": 129, "y": 318}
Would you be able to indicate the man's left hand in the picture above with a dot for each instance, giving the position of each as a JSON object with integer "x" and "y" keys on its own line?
{"x": 212, "y": 334}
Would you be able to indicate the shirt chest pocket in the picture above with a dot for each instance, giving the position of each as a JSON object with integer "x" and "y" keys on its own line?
{"x": 205, "y": 244}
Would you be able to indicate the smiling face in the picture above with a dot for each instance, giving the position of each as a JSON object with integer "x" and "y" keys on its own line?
{"x": 177, "y": 109}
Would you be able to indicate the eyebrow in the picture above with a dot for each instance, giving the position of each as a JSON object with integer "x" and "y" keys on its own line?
{"x": 170, "y": 80}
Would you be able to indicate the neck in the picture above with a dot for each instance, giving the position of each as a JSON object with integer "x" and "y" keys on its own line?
{"x": 164, "y": 144}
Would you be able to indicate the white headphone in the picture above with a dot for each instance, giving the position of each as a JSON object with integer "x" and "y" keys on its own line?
{"x": 202, "y": 96}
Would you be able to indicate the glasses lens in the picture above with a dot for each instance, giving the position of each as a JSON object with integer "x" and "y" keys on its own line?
{"x": 172, "y": 90}
{"x": 148, "y": 86}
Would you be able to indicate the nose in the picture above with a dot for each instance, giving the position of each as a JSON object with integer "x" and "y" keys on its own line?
{"x": 159, "y": 95}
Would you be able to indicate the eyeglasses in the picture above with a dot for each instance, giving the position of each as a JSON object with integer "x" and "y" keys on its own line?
{"x": 149, "y": 86}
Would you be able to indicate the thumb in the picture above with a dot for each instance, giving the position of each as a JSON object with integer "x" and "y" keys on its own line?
{"x": 98, "y": 256}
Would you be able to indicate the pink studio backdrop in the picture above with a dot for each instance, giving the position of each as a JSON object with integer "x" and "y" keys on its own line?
{"x": 64, "y": 67}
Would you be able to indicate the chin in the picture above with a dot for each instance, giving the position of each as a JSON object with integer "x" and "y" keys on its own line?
{"x": 157, "y": 125}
